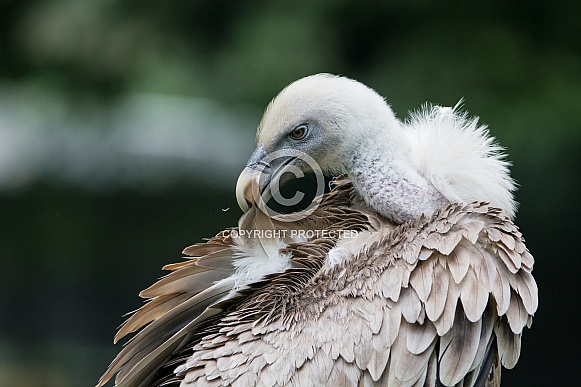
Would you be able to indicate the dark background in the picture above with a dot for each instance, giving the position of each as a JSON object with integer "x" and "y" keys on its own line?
{"x": 124, "y": 124}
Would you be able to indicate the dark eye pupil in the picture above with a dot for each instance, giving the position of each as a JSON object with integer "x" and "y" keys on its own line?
{"x": 299, "y": 132}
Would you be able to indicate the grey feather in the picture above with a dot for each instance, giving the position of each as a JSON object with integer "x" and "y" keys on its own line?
{"x": 458, "y": 262}
{"x": 419, "y": 337}
{"x": 437, "y": 298}
{"x": 508, "y": 344}
{"x": 422, "y": 278}
{"x": 458, "y": 348}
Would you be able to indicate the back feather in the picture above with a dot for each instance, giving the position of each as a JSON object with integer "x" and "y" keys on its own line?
{"x": 442, "y": 300}
{"x": 438, "y": 301}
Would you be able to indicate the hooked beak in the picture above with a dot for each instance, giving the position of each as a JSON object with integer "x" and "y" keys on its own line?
{"x": 249, "y": 181}
{"x": 260, "y": 179}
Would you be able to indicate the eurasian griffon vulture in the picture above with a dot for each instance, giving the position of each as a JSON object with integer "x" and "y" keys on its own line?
{"x": 410, "y": 272}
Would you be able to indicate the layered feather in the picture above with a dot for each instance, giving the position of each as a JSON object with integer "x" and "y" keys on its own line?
{"x": 181, "y": 303}
{"x": 442, "y": 321}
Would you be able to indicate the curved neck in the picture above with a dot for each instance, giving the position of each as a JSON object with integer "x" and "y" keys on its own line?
{"x": 386, "y": 180}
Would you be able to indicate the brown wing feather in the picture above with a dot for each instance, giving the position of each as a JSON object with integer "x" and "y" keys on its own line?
{"x": 442, "y": 322}
{"x": 175, "y": 301}
{"x": 181, "y": 301}
{"x": 431, "y": 302}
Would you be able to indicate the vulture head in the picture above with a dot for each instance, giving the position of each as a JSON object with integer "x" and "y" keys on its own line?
{"x": 335, "y": 125}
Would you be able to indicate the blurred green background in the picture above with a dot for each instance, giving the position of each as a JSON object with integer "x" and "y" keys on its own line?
{"x": 124, "y": 124}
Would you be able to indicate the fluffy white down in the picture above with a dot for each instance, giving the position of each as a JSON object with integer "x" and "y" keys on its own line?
{"x": 460, "y": 158}
{"x": 254, "y": 262}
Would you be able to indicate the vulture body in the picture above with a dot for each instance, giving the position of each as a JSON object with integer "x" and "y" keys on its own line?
{"x": 409, "y": 272}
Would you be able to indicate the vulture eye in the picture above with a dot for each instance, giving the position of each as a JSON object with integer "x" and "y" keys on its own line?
{"x": 299, "y": 132}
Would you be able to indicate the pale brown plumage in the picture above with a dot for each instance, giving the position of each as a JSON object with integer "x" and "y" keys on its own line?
{"x": 441, "y": 300}
{"x": 406, "y": 281}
